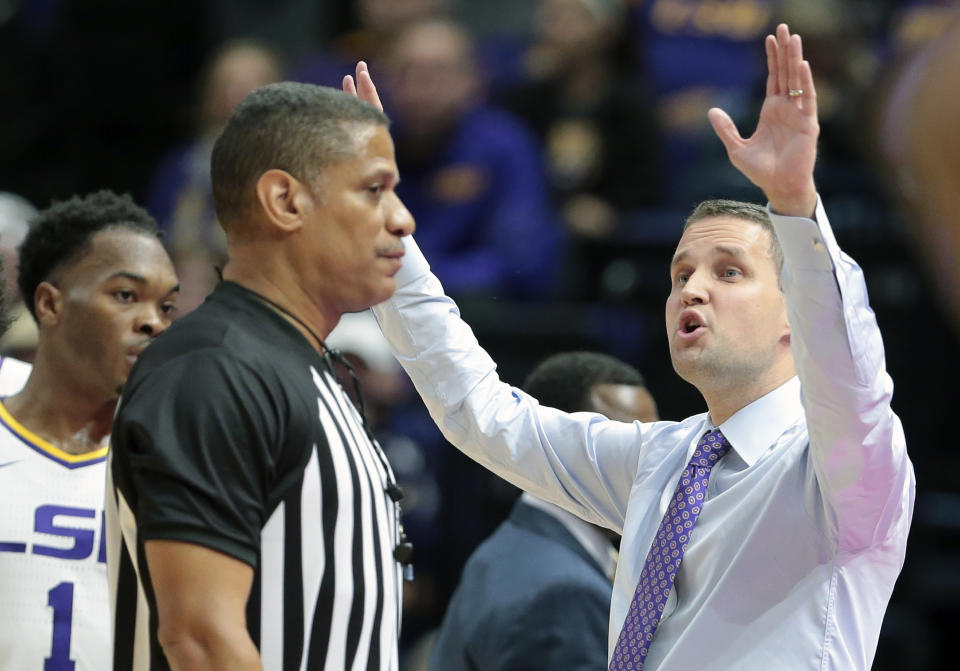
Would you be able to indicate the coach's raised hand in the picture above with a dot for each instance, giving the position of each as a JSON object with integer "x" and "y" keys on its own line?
{"x": 780, "y": 155}
{"x": 363, "y": 86}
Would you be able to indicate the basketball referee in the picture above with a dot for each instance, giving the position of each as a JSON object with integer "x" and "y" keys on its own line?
{"x": 253, "y": 522}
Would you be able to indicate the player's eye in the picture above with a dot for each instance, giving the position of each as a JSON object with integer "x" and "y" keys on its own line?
{"x": 125, "y": 295}
{"x": 168, "y": 309}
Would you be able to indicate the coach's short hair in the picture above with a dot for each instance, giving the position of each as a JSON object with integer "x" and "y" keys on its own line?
{"x": 564, "y": 380}
{"x": 298, "y": 128}
{"x": 62, "y": 233}
{"x": 709, "y": 209}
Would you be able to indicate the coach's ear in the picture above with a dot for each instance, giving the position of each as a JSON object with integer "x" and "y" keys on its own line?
{"x": 48, "y": 304}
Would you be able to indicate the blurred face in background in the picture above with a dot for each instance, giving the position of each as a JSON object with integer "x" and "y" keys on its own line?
{"x": 235, "y": 72}
{"x": 577, "y": 28}
{"x": 624, "y": 402}
{"x": 388, "y": 16}
{"x": 15, "y": 213}
{"x": 432, "y": 77}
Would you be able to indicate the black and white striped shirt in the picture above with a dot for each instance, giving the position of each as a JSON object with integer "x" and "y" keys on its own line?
{"x": 244, "y": 442}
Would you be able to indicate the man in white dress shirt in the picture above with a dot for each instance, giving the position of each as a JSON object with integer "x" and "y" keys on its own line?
{"x": 803, "y": 529}
{"x": 535, "y": 595}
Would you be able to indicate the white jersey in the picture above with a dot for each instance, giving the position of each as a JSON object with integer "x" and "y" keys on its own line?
{"x": 13, "y": 375}
{"x": 54, "y": 607}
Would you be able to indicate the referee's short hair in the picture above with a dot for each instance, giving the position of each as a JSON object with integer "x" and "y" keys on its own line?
{"x": 61, "y": 234}
{"x": 564, "y": 380}
{"x": 298, "y": 128}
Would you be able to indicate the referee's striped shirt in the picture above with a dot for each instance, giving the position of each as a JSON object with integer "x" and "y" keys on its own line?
{"x": 233, "y": 434}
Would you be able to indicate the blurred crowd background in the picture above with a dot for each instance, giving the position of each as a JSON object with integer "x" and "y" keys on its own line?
{"x": 549, "y": 151}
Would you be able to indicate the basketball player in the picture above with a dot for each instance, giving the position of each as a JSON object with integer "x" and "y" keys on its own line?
{"x": 101, "y": 287}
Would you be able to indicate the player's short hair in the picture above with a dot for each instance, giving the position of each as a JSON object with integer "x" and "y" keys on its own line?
{"x": 564, "y": 380}
{"x": 709, "y": 209}
{"x": 298, "y": 128}
{"x": 61, "y": 233}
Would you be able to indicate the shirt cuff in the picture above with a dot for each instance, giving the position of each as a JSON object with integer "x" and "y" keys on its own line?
{"x": 413, "y": 265}
{"x": 808, "y": 244}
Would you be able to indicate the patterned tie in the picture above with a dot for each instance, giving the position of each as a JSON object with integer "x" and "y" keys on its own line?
{"x": 663, "y": 560}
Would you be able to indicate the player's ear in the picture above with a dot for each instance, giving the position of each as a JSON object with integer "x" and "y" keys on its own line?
{"x": 48, "y": 304}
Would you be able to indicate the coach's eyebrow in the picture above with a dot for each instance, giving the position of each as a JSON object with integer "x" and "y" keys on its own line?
{"x": 737, "y": 252}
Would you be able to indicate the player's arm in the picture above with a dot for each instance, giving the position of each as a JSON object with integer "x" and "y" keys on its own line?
{"x": 857, "y": 446}
{"x": 201, "y": 599}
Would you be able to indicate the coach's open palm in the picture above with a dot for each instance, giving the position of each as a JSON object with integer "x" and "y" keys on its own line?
{"x": 780, "y": 155}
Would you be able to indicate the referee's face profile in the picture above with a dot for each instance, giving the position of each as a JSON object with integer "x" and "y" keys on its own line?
{"x": 355, "y": 222}
{"x": 113, "y": 301}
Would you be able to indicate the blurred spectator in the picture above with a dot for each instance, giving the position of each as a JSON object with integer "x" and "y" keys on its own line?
{"x": 181, "y": 198}
{"x": 492, "y": 19}
{"x": 472, "y": 176}
{"x": 374, "y": 25}
{"x": 292, "y": 25}
{"x": 846, "y": 61}
{"x": 701, "y": 54}
{"x": 20, "y": 340}
{"x": 591, "y": 112}
{"x": 916, "y": 23}
{"x": 923, "y": 149}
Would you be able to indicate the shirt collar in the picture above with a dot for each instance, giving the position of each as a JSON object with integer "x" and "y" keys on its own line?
{"x": 752, "y": 430}
{"x": 590, "y": 537}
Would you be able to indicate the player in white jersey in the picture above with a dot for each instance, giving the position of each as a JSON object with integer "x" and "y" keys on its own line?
{"x": 13, "y": 375}
{"x": 52, "y": 576}
{"x": 101, "y": 287}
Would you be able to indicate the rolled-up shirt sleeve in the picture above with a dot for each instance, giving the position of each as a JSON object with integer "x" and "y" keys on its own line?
{"x": 857, "y": 445}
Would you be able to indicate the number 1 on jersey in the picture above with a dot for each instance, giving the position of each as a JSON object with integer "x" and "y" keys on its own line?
{"x": 60, "y": 598}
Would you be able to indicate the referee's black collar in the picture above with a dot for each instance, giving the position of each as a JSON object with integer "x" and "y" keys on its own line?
{"x": 232, "y": 291}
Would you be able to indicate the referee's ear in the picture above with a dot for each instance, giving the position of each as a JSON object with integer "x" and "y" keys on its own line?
{"x": 282, "y": 198}
{"x": 48, "y": 304}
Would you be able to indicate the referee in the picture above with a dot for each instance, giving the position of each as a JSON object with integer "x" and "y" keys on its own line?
{"x": 253, "y": 522}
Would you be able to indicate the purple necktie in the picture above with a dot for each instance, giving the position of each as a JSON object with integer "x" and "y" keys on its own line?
{"x": 663, "y": 559}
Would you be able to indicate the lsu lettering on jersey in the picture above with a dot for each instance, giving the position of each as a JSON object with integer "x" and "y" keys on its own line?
{"x": 54, "y": 606}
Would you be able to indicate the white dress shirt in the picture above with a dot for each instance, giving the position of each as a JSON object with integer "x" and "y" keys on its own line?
{"x": 795, "y": 554}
